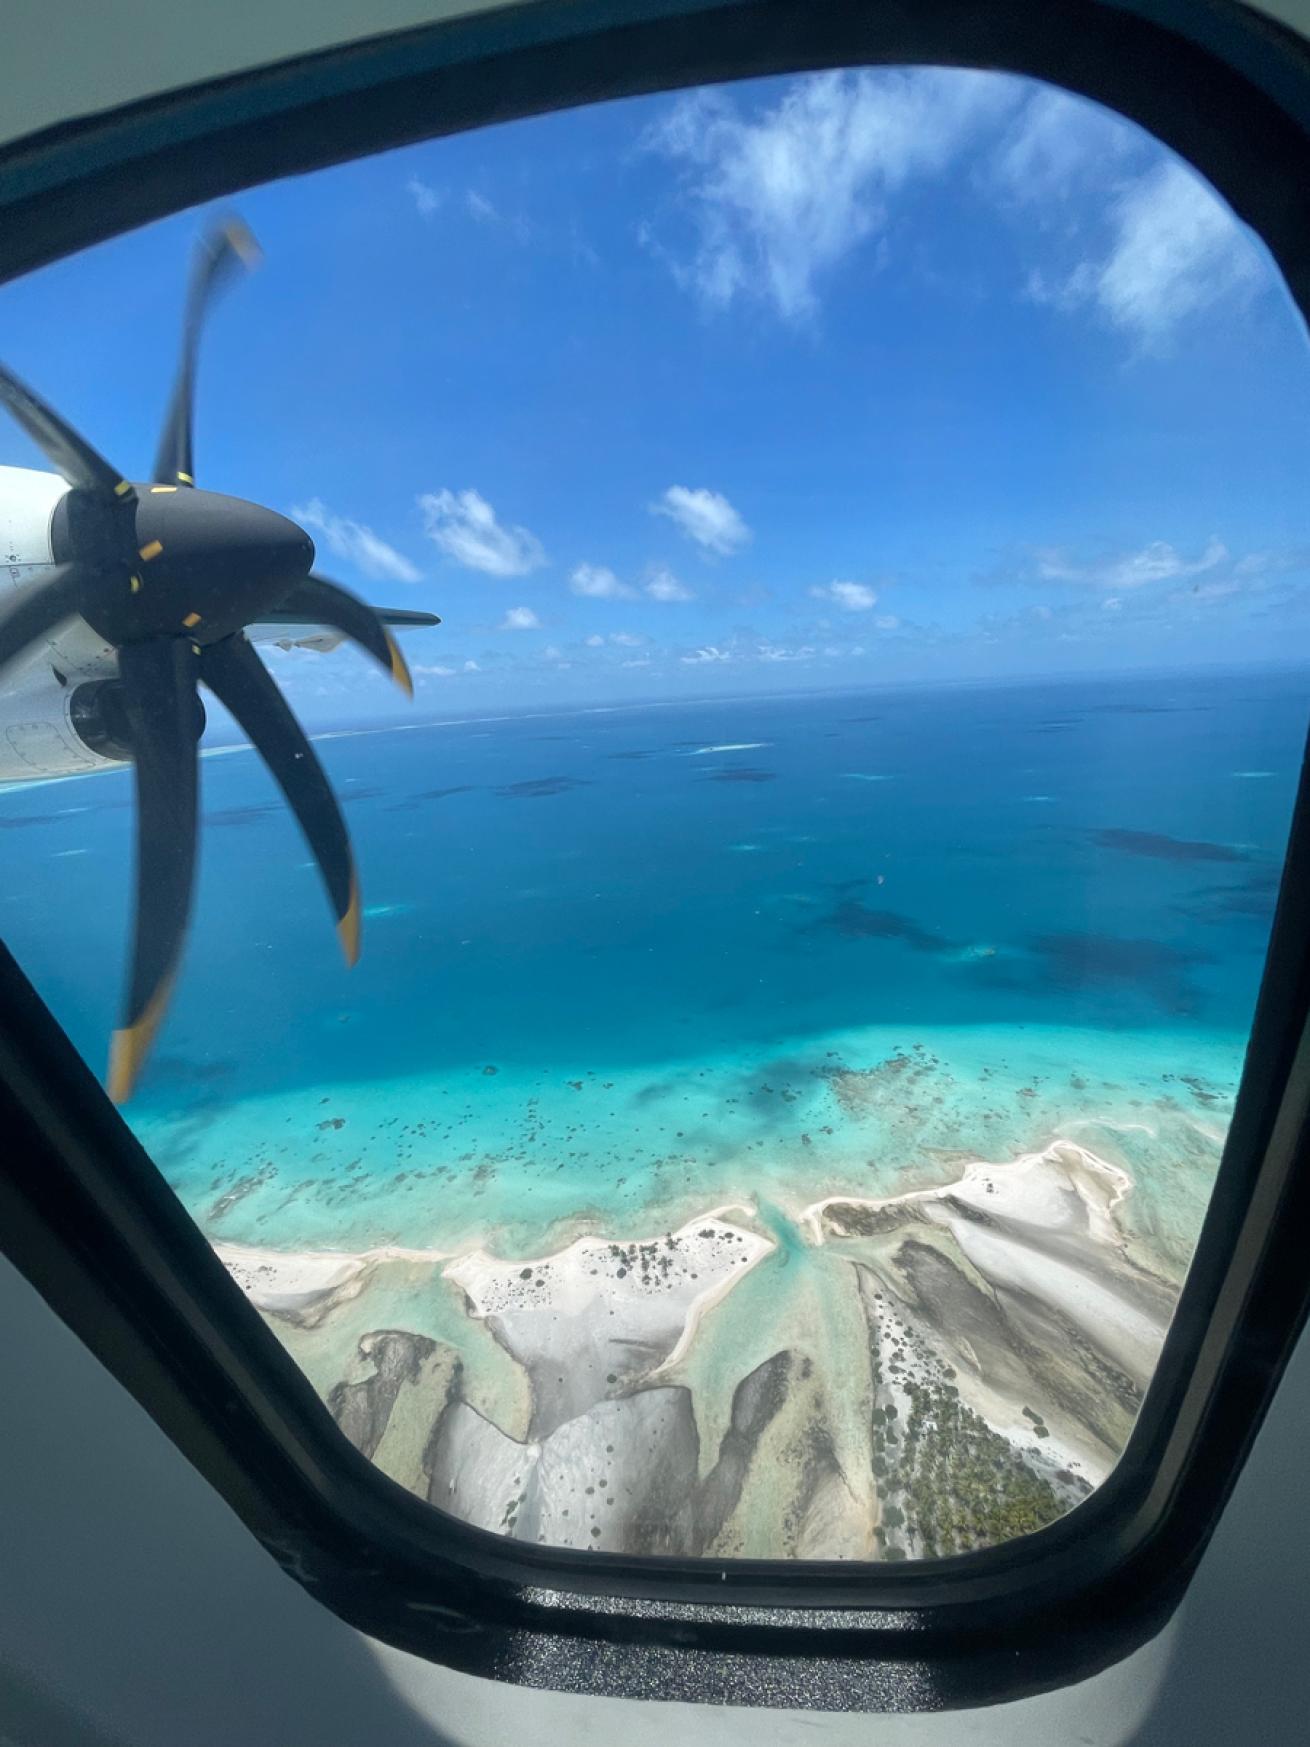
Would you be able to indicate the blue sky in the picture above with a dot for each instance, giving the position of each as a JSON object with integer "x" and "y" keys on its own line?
{"x": 832, "y": 381}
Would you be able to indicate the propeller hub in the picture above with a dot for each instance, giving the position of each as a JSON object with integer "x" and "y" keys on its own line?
{"x": 194, "y": 563}
{"x": 208, "y": 563}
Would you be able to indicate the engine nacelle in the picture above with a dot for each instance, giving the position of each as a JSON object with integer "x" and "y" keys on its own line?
{"x": 56, "y": 716}
{"x": 70, "y": 730}
{"x": 52, "y": 730}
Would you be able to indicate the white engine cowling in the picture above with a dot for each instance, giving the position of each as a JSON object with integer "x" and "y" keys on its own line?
{"x": 53, "y": 707}
{"x": 51, "y": 730}
{"x": 27, "y": 502}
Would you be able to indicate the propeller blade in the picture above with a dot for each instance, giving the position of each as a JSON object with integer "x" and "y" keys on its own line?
{"x": 403, "y": 617}
{"x": 240, "y": 681}
{"x": 316, "y": 601}
{"x": 159, "y": 696}
{"x": 69, "y": 455}
{"x": 32, "y": 611}
{"x": 218, "y": 258}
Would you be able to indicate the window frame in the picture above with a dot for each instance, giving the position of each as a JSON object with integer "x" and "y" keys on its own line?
{"x": 88, "y": 1219}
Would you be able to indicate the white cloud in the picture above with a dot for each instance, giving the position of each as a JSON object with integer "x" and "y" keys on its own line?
{"x": 1178, "y": 249}
{"x": 426, "y": 198}
{"x": 1156, "y": 562}
{"x": 520, "y": 619}
{"x": 700, "y": 656}
{"x": 778, "y": 197}
{"x": 1175, "y": 250}
{"x": 705, "y": 517}
{"x": 463, "y": 524}
{"x": 778, "y": 652}
{"x": 620, "y": 639}
{"x": 472, "y": 667}
{"x": 581, "y": 249}
{"x": 598, "y": 582}
{"x": 355, "y": 543}
{"x": 1146, "y": 244}
{"x": 886, "y": 622}
{"x": 855, "y": 597}
{"x": 439, "y": 672}
{"x": 1257, "y": 563}
{"x": 663, "y": 585}
{"x": 482, "y": 211}
{"x": 1056, "y": 144}
{"x": 1208, "y": 591}
{"x": 643, "y": 661}
{"x": 778, "y": 200}
{"x": 552, "y": 652}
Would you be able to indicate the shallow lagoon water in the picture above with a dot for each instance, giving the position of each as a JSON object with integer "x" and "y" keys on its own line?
{"x": 582, "y": 1004}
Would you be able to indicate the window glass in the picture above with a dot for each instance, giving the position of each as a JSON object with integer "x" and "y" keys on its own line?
{"x": 814, "y": 905}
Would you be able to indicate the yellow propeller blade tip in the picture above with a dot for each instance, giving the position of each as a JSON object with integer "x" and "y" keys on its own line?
{"x": 124, "y": 1065}
{"x": 348, "y": 928}
{"x": 399, "y": 667}
{"x": 129, "y": 1046}
{"x": 242, "y": 239}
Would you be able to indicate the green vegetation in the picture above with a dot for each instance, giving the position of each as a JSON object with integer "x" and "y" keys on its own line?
{"x": 947, "y": 1483}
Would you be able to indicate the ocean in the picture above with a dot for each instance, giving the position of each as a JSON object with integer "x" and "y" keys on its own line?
{"x": 702, "y": 981}
{"x": 613, "y": 959}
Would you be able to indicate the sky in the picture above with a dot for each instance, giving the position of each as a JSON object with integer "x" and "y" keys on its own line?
{"x": 850, "y": 379}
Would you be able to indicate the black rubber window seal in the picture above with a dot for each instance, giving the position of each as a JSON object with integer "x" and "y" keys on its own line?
{"x": 90, "y": 1222}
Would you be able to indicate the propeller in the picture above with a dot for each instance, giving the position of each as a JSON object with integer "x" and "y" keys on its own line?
{"x": 170, "y": 576}
{"x": 219, "y": 258}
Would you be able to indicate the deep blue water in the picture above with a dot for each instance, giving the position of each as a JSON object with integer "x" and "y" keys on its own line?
{"x": 575, "y": 893}
{"x": 556, "y": 887}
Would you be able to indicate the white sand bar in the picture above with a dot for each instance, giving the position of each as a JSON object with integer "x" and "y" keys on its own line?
{"x": 589, "y": 1320}
{"x": 1043, "y": 1225}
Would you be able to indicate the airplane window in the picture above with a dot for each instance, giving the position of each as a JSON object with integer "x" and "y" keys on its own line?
{"x": 812, "y": 909}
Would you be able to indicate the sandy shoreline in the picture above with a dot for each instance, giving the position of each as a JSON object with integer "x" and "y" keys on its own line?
{"x": 1033, "y": 1245}
{"x": 279, "y": 1280}
{"x": 601, "y": 1311}
{"x": 306, "y": 1282}
{"x": 1018, "y": 1178}
{"x": 941, "y": 1368}
{"x": 521, "y": 1159}
{"x": 1048, "y": 1215}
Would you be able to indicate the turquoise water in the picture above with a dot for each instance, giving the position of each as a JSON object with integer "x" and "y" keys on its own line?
{"x": 623, "y": 963}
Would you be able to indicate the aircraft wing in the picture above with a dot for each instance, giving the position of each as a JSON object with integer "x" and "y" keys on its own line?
{"x": 289, "y": 631}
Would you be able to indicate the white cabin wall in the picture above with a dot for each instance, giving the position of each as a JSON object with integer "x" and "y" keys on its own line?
{"x": 135, "y": 1609}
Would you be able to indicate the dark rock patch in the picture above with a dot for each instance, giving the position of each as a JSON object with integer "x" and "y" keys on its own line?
{"x": 363, "y": 1409}
{"x": 1160, "y": 847}
{"x": 755, "y": 1401}
{"x": 538, "y": 787}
